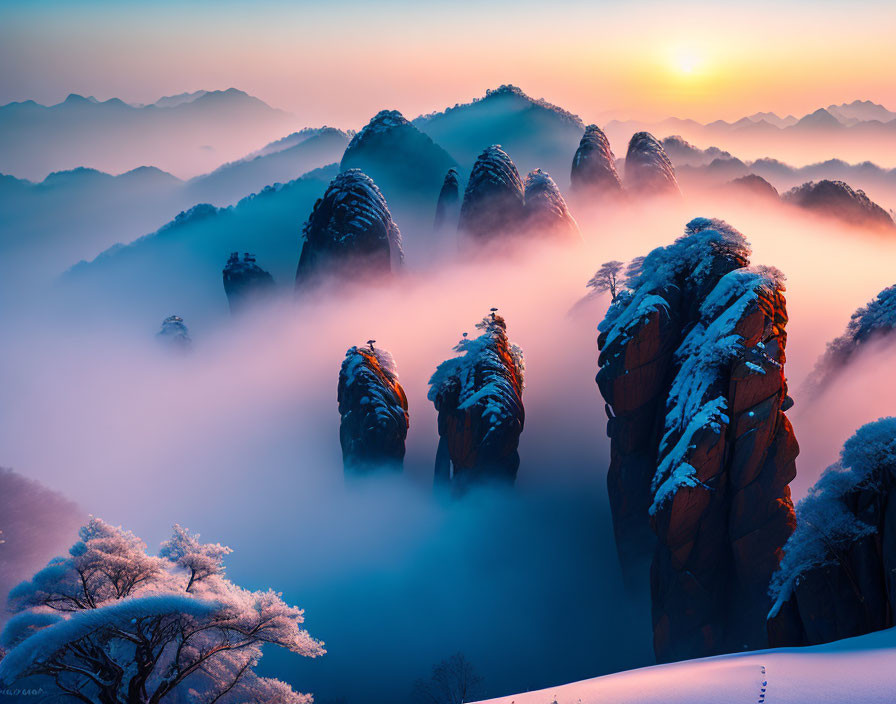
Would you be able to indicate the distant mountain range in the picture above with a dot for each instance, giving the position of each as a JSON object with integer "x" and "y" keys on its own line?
{"x": 845, "y": 113}
{"x": 186, "y": 134}
{"x": 713, "y": 166}
{"x": 76, "y": 214}
{"x": 861, "y": 111}
{"x": 178, "y": 267}
{"x": 170, "y": 101}
{"x": 856, "y": 131}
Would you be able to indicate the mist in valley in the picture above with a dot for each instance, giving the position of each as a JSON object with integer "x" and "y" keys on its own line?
{"x": 238, "y": 440}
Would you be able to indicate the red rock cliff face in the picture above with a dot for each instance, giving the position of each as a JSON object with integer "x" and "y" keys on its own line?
{"x": 478, "y": 397}
{"x": 692, "y": 370}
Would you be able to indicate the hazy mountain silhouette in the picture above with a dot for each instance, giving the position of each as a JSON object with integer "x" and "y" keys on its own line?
{"x": 857, "y": 131}
{"x": 712, "y": 166}
{"x": 292, "y": 140}
{"x": 861, "y": 111}
{"x": 178, "y": 267}
{"x": 538, "y": 134}
{"x": 773, "y": 119}
{"x": 408, "y": 167}
{"x": 75, "y": 214}
{"x": 840, "y": 200}
{"x": 170, "y": 101}
{"x": 186, "y": 135}
{"x": 227, "y": 184}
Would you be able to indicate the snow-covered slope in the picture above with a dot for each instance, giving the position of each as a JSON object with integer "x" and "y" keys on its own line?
{"x": 856, "y": 670}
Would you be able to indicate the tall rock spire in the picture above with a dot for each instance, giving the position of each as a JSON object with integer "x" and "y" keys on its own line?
{"x": 350, "y": 233}
{"x": 493, "y": 199}
{"x": 546, "y": 211}
{"x": 648, "y": 169}
{"x": 448, "y": 206}
{"x": 594, "y": 165}
{"x": 692, "y": 371}
{"x": 478, "y": 396}
{"x": 374, "y": 411}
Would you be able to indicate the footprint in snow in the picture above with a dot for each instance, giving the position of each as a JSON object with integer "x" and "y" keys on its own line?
{"x": 762, "y": 687}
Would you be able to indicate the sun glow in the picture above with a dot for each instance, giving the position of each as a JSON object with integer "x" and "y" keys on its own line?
{"x": 686, "y": 61}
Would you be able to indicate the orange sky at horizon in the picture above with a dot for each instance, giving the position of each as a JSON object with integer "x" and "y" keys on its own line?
{"x": 342, "y": 63}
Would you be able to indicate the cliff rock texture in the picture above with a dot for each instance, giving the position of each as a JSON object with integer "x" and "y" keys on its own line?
{"x": 374, "y": 411}
{"x": 350, "y": 233}
{"x": 478, "y": 396}
{"x": 493, "y": 203}
{"x": 546, "y": 210}
{"x": 692, "y": 372}
{"x": 594, "y": 165}
{"x": 647, "y": 168}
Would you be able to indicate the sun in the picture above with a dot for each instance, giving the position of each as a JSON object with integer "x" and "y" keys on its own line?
{"x": 686, "y": 60}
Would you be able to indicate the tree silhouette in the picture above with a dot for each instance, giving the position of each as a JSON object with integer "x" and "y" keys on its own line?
{"x": 453, "y": 681}
{"x": 607, "y": 278}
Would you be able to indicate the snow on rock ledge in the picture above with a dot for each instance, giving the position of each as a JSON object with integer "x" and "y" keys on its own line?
{"x": 478, "y": 396}
{"x": 493, "y": 199}
{"x": 692, "y": 371}
{"x": 350, "y": 233}
{"x": 374, "y": 411}
{"x": 546, "y": 211}
{"x": 594, "y": 165}
{"x": 648, "y": 169}
{"x": 836, "y": 579}
{"x": 871, "y": 323}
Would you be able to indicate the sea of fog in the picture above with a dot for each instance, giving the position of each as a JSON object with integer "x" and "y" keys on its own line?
{"x": 239, "y": 441}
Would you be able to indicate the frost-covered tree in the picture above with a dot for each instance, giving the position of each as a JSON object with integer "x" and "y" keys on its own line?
{"x": 111, "y": 624}
{"x": 201, "y": 560}
{"x": 453, "y": 681}
{"x": 607, "y": 278}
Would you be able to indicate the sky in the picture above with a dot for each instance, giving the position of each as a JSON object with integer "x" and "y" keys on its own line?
{"x": 340, "y": 62}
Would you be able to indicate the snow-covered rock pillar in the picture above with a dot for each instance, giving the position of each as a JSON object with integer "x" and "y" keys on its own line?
{"x": 350, "y": 234}
{"x": 692, "y": 370}
{"x": 374, "y": 411}
{"x": 478, "y": 396}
